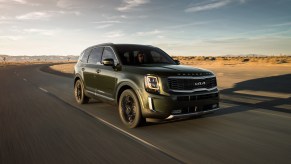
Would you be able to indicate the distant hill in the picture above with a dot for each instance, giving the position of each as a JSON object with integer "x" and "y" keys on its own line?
{"x": 43, "y": 58}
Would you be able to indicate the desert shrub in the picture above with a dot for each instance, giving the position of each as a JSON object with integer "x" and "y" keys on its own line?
{"x": 224, "y": 58}
{"x": 281, "y": 61}
{"x": 212, "y": 58}
{"x": 191, "y": 57}
{"x": 199, "y": 58}
{"x": 245, "y": 59}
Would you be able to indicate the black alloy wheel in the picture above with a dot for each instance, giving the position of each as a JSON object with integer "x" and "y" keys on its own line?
{"x": 80, "y": 97}
{"x": 129, "y": 109}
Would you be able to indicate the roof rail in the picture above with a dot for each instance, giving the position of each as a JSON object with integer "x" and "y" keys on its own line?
{"x": 104, "y": 44}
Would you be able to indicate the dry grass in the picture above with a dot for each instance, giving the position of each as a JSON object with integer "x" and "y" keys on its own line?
{"x": 7, "y": 64}
{"x": 65, "y": 68}
{"x": 209, "y": 60}
{"x": 229, "y": 70}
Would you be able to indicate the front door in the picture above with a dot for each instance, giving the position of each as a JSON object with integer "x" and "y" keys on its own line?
{"x": 107, "y": 75}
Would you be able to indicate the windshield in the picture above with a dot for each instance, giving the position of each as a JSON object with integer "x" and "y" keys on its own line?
{"x": 139, "y": 55}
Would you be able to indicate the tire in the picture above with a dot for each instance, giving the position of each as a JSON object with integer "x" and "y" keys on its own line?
{"x": 80, "y": 96}
{"x": 129, "y": 109}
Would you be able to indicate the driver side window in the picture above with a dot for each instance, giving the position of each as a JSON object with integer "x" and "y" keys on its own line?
{"x": 108, "y": 53}
{"x": 158, "y": 58}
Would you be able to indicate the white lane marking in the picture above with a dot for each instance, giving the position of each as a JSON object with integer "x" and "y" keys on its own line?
{"x": 43, "y": 89}
{"x": 272, "y": 114}
{"x": 127, "y": 133}
{"x": 24, "y": 79}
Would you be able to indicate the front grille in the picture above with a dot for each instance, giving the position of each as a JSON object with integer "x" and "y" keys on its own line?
{"x": 191, "y": 83}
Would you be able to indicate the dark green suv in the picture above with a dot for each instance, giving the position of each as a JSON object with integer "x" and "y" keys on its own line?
{"x": 145, "y": 82}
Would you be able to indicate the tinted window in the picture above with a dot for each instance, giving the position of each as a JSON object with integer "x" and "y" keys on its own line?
{"x": 108, "y": 53}
{"x": 95, "y": 55}
{"x": 158, "y": 58}
{"x": 129, "y": 55}
{"x": 85, "y": 55}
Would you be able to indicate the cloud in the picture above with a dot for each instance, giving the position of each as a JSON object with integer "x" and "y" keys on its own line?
{"x": 104, "y": 26}
{"x": 15, "y": 1}
{"x": 41, "y": 31}
{"x": 3, "y": 18}
{"x": 208, "y": 5}
{"x": 77, "y": 13}
{"x": 44, "y": 15}
{"x": 9, "y": 3}
{"x": 189, "y": 24}
{"x": 78, "y": 4}
{"x": 115, "y": 17}
{"x": 106, "y": 22}
{"x": 20, "y": 1}
{"x": 280, "y": 24}
{"x": 154, "y": 32}
{"x": 34, "y": 16}
{"x": 114, "y": 34}
{"x": 129, "y": 4}
{"x": 65, "y": 4}
{"x": 11, "y": 37}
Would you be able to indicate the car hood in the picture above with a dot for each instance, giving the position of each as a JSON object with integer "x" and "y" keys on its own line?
{"x": 167, "y": 70}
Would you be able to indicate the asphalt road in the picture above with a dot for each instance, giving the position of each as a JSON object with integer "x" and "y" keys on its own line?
{"x": 41, "y": 123}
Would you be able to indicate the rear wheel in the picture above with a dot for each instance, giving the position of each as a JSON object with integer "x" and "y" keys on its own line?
{"x": 80, "y": 96}
{"x": 129, "y": 109}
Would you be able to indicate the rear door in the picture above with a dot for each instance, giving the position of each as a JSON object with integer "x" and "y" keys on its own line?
{"x": 91, "y": 70}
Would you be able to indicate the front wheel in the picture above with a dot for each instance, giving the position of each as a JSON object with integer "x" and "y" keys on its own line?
{"x": 80, "y": 96}
{"x": 129, "y": 109}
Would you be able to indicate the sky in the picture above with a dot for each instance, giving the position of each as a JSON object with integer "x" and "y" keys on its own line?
{"x": 179, "y": 27}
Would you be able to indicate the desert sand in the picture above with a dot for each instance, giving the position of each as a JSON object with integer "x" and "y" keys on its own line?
{"x": 229, "y": 70}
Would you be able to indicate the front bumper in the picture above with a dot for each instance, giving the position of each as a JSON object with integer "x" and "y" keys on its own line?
{"x": 191, "y": 114}
{"x": 179, "y": 105}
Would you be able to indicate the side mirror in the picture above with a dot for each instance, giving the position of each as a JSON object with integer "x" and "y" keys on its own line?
{"x": 177, "y": 62}
{"x": 108, "y": 62}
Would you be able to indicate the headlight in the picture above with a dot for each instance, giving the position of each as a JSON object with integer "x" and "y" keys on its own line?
{"x": 152, "y": 84}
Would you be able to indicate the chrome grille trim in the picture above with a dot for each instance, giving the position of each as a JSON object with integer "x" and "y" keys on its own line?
{"x": 185, "y": 83}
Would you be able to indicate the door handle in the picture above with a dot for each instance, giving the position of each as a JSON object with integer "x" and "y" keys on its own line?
{"x": 98, "y": 70}
{"x": 83, "y": 69}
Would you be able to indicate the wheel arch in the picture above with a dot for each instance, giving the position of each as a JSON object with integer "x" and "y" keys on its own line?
{"x": 127, "y": 85}
{"x": 77, "y": 77}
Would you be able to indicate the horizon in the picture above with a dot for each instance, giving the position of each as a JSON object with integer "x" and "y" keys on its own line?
{"x": 241, "y": 55}
{"x": 187, "y": 28}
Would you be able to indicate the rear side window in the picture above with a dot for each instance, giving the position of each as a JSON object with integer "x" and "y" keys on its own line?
{"x": 85, "y": 55}
{"x": 95, "y": 56}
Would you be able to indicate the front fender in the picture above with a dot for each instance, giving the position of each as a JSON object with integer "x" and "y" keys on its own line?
{"x": 132, "y": 85}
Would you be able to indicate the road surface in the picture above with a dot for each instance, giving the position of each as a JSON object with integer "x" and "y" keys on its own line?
{"x": 40, "y": 122}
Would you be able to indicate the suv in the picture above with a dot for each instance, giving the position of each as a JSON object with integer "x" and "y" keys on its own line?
{"x": 145, "y": 82}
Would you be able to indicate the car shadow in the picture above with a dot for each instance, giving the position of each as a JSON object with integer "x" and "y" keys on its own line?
{"x": 270, "y": 93}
